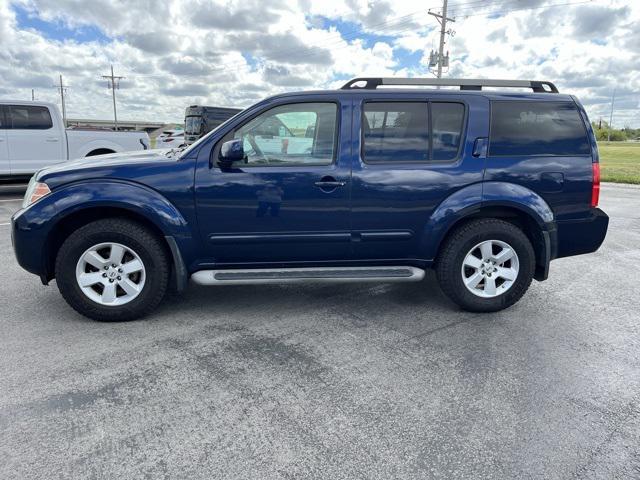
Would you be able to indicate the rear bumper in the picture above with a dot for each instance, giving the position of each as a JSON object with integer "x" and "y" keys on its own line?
{"x": 576, "y": 237}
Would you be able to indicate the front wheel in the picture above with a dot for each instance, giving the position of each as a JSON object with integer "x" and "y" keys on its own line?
{"x": 112, "y": 270}
{"x": 486, "y": 265}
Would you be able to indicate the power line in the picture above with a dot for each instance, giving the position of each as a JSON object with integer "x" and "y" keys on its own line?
{"x": 503, "y": 12}
{"x": 114, "y": 83}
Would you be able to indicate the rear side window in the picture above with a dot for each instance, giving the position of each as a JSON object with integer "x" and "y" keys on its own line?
{"x": 446, "y": 120}
{"x": 396, "y": 132}
{"x": 27, "y": 117}
{"x": 537, "y": 128}
{"x": 3, "y": 121}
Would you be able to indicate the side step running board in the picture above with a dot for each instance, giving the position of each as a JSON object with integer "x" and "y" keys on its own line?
{"x": 320, "y": 274}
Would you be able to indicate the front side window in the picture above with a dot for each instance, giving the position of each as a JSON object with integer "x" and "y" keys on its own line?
{"x": 27, "y": 117}
{"x": 537, "y": 128}
{"x": 295, "y": 134}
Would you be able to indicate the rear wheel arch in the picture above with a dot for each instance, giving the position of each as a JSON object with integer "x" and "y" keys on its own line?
{"x": 532, "y": 226}
{"x": 100, "y": 151}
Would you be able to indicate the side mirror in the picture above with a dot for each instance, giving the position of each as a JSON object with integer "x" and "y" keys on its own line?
{"x": 232, "y": 151}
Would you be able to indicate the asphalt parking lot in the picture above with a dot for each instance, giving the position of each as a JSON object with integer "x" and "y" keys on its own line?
{"x": 372, "y": 381}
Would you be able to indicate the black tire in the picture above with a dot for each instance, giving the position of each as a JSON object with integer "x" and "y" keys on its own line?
{"x": 461, "y": 241}
{"x": 130, "y": 234}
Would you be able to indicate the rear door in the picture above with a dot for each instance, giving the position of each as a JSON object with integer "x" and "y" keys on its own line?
{"x": 289, "y": 201}
{"x": 33, "y": 140}
{"x": 4, "y": 150}
{"x": 414, "y": 151}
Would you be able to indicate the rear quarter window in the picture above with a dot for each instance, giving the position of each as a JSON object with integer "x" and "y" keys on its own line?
{"x": 537, "y": 128}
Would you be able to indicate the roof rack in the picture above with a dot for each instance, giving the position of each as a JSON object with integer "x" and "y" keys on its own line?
{"x": 464, "y": 83}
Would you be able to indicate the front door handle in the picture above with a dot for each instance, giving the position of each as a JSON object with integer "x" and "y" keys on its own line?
{"x": 52, "y": 139}
{"x": 329, "y": 184}
{"x": 334, "y": 184}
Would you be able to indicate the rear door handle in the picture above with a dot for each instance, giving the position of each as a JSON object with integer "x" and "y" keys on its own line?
{"x": 329, "y": 184}
{"x": 333, "y": 184}
{"x": 52, "y": 139}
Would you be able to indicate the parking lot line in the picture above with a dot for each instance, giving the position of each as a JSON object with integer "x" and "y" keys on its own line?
{"x": 10, "y": 199}
{"x": 5, "y": 224}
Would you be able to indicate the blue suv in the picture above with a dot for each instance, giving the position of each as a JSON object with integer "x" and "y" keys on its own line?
{"x": 486, "y": 183}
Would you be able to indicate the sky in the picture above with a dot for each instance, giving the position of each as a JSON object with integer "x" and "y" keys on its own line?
{"x": 175, "y": 53}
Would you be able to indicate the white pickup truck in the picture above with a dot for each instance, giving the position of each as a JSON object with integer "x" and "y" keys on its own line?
{"x": 32, "y": 136}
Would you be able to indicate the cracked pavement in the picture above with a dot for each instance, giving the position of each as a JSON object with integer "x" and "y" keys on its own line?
{"x": 333, "y": 380}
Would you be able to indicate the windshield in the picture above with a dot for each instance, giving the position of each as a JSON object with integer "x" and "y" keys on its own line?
{"x": 193, "y": 125}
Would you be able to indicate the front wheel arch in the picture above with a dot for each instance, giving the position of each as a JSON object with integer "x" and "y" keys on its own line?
{"x": 72, "y": 222}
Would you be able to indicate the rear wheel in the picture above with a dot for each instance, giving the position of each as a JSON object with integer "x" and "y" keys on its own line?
{"x": 486, "y": 265}
{"x": 112, "y": 269}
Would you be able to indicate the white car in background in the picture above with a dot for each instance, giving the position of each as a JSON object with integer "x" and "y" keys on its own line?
{"x": 33, "y": 136}
{"x": 170, "y": 139}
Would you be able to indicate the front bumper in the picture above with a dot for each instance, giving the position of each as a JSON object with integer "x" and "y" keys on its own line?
{"x": 28, "y": 242}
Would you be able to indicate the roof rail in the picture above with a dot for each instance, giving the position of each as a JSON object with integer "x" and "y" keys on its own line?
{"x": 464, "y": 83}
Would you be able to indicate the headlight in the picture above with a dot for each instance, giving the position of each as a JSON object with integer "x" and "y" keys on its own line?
{"x": 35, "y": 191}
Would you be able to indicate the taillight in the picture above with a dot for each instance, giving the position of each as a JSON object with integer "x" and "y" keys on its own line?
{"x": 595, "y": 186}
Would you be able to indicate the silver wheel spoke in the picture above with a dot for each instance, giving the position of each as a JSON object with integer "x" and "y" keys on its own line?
{"x": 473, "y": 280}
{"x": 490, "y": 286}
{"x": 472, "y": 261}
{"x": 504, "y": 255}
{"x": 117, "y": 252}
{"x": 507, "y": 273}
{"x": 132, "y": 266}
{"x": 487, "y": 252}
{"x": 109, "y": 293}
{"x": 88, "y": 279}
{"x": 129, "y": 287}
{"x": 95, "y": 260}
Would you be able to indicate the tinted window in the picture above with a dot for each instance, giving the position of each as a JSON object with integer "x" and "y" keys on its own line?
{"x": 3, "y": 122}
{"x": 446, "y": 121}
{"x": 27, "y": 117}
{"x": 193, "y": 125}
{"x": 537, "y": 128}
{"x": 395, "y": 132}
{"x": 295, "y": 134}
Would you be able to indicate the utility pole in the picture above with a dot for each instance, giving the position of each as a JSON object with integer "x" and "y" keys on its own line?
{"x": 443, "y": 19}
{"x": 114, "y": 82}
{"x": 62, "y": 88}
{"x": 613, "y": 99}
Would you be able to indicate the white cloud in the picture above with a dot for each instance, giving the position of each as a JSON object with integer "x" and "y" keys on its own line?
{"x": 176, "y": 53}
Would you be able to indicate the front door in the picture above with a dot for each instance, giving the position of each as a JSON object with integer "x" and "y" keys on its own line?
{"x": 415, "y": 151}
{"x": 33, "y": 141}
{"x": 288, "y": 202}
